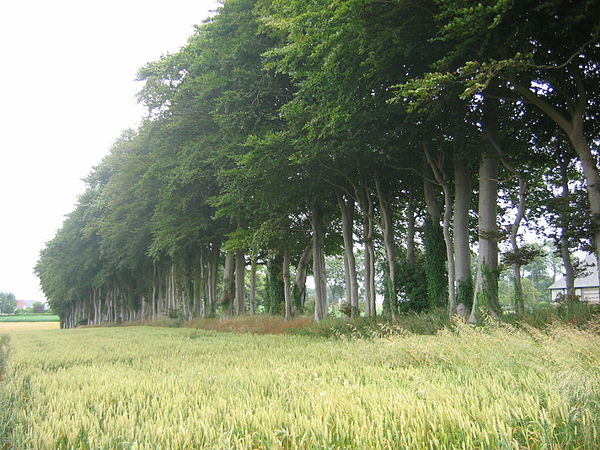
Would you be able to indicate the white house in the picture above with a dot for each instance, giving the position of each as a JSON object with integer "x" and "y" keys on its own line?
{"x": 587, "y": 287}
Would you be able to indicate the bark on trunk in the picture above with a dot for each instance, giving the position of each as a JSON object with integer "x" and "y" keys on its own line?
{"x": 389, "y": 244}
{"x": 431, "y": 201}
{"x": 347, "y": 212}
{"x": 366, "y": 206}
{"x": 519, "y": 301}
{"x": 287, "y": 286}
{"x": 228, "y": 294}
{"x": 299, "y": 289}
{"x": 210, "y": 309}
{"x": 460, "y": 225}
{"x": 564, "y": 242}
{"x": 486, "y": 285}
{"x": 319, "y": 264}
{"x": 410, "y": 231}
{"x": 253, "y": 287}
{"x": 240, "y": 287}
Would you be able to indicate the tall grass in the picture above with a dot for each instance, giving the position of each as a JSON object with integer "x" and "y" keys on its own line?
{"x": 146, "y": 387}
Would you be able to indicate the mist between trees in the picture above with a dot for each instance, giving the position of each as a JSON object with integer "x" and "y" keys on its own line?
{"x": 286, "y": 132}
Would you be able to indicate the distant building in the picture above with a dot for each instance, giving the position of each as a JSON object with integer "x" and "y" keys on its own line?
{"x": 22, "y": 304}
{"x": 586, "y": 287}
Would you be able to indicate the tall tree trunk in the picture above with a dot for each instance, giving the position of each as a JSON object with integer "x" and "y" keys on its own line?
{"x": 253, "y": 287}
{"x": 486, "y": 285}
{"x": 319, "y": 264}
{"x": 363, "y": 194}
{"x": 210, "y": 309}
{"x": 460, "y": 225}
{"x": 228, "y": 294}
{"x": 387, "y": 228}
{"x": 519, "y": 300}
{"x": 438, "y": 173}
{"x": 410, "y": 231}
{"x": 435, "y": 264}
{"x": 347, "y": 212}
{"x": 287, "y": 286}
{"x": 564, "y": 222}
{"x": 240, "y": 287}
{"x": 299, "y": 288}
{"x": 433, "y": 206}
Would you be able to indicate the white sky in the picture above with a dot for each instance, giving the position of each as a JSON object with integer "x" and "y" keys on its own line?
{"x": 67, "y": 91}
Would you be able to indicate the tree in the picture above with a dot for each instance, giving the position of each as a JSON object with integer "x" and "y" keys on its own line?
{"x": 8, "y": 303}
{"x": 38, "y": 308}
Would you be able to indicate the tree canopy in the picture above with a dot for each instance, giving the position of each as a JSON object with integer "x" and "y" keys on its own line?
{"x": 288, "y": 131}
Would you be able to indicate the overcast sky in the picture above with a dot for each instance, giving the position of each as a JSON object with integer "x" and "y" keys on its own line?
{"x": 68, "y": 91}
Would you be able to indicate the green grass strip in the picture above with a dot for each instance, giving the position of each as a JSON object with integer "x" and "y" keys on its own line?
{"x": 30, "y": 318}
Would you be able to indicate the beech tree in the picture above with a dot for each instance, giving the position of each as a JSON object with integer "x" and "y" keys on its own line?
{"x": 287, "y": 131}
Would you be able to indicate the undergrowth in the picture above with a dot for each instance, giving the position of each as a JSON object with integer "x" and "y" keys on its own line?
{"x": 422, "y": 323}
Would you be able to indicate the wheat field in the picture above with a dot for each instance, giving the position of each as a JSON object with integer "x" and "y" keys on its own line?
{"x": 151, "y": 387}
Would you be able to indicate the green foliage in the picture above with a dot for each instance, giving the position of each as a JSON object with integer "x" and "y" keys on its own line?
{"x": 525, "y": 255}
{"x": 424, "y": 323}
{"x": 8, "y": 303}
{"x": 464, "y": 293}
{"x": 412, "y": 286}
{"x": 275, "y": 106}
{"x": 30, "y": 318}
{"x": 487, "y": 297}
{"x": 38, "y": 308}
{"x": 274, "y": 300}
{"x": 435, "y": 264}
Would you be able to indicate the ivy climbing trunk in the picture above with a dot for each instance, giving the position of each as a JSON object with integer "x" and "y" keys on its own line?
{"x": 228, "y": 294}
{"x": 299, "y": 288}
{"x": 433, "y": 240}
{"x": 438, "y": 172}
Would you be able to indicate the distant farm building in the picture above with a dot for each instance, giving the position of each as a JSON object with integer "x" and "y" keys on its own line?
{"x": 22, "y": 304}
{"x": 587, "y": 287}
